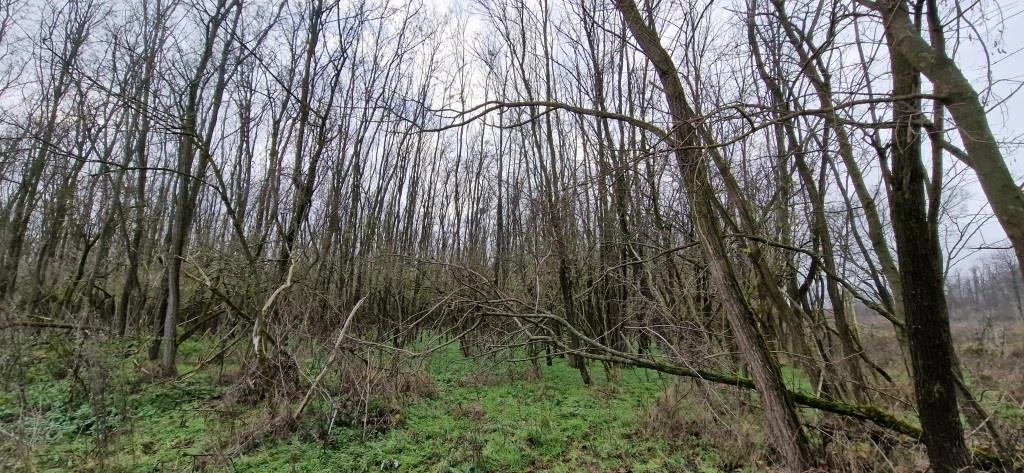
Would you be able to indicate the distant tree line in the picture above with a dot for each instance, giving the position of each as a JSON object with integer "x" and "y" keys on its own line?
{"x": 989, "y": 290}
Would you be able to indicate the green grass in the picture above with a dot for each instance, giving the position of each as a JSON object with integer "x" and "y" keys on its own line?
{"x": 108, "y": 415}
{"x": 485, "y": 415}
{"x": 552, "y": 424}
{"x": 495, "y": 421}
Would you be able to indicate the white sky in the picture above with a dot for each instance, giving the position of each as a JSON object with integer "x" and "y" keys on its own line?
{"x": 1006, "y": 53}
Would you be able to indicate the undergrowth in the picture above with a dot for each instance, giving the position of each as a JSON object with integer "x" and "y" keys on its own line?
{"x": 90, "y": 405}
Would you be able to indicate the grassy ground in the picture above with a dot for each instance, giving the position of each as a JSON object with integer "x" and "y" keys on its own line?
{"x": 552, "y": 424}
{"x": 93, "y": 407}
{"x": 481, "y": 416}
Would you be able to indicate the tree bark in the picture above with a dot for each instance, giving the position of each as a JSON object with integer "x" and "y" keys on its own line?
{"x": 924, "y": 299}
{"x": 783, "y": 424}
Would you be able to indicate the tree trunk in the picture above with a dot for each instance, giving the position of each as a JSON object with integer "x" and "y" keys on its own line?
{"x": 924, "y": 299}
{"x": 783, "y": 424}
{"x": 983, "y": 153}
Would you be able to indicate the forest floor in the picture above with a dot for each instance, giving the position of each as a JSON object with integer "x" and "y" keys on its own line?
{"x": 93, "y": 407}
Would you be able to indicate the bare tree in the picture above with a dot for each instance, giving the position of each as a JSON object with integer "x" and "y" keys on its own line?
{"x": 788, "y": 435}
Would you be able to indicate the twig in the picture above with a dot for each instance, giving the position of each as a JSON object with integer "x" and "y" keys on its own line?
{"x": 330, "y": 358}
{"x": 261, "y": 319}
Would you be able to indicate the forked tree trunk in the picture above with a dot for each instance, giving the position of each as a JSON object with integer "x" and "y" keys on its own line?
{"x": 190, "y": 178}
{"x": 982, "y": 149}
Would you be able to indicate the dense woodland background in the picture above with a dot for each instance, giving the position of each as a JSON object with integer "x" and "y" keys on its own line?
{"x": 719, "y": 191}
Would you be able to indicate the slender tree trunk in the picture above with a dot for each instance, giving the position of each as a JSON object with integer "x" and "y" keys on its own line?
{"x": 190, "y": 178}
{"x": 783, "y": 424}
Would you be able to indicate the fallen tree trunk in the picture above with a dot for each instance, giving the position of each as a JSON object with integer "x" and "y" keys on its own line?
{"x": 48, "y": 324}
{"x": 869, "y": 413}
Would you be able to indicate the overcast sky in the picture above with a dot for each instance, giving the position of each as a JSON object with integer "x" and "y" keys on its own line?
{"x": 1006, "y": 55}
{"x": 997, "y": 71}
